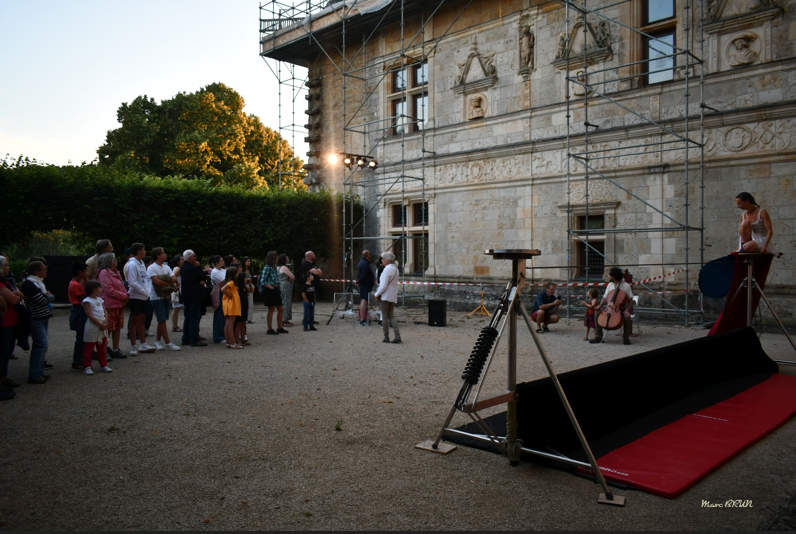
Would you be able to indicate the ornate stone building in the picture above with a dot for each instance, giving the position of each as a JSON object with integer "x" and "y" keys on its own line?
{"x": 489, "y": 117}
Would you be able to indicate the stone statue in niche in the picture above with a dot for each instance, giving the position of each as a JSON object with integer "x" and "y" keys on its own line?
{"x": 577, "y": 88}
{"x": 527, "y": 41}
{"x": 475, "y": 106}
{"x": 562, "y": 46}
{"x": 740, "y": 53}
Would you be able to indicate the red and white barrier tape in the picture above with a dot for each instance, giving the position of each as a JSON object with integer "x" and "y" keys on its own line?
{"x": 603, "y": 284}
{"x": 574, "y": 284}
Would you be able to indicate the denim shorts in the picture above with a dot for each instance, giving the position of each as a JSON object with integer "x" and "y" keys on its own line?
{"x": 161, "y": 309}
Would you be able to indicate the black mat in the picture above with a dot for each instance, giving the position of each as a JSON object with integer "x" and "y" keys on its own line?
{"x": 617, "y": 402}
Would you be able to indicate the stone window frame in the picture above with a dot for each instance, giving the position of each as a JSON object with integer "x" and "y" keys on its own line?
{"x": 604, "y": 208}
{"x": 412, "y": 229}
{"x": 658, "y": 28}
{"x": 415, "y": 88}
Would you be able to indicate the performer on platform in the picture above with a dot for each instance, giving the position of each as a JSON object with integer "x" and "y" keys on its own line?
{"x": 756, "y": 229}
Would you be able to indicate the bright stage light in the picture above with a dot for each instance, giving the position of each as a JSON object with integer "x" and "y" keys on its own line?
{"x": 360, "y": 162}
{"x": 372, "y": 164}
{"x": 333, "y": 159}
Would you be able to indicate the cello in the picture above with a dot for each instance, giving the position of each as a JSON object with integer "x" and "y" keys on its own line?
{"x": 613, "y": 318}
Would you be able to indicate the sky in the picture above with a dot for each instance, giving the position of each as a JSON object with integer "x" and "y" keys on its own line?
{"x": 68, "y": 66}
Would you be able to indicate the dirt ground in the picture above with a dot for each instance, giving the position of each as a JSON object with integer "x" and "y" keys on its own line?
{"x": 217, "y": 439}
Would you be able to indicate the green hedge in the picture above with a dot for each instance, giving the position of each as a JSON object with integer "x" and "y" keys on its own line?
{"x": 174, "y": 213}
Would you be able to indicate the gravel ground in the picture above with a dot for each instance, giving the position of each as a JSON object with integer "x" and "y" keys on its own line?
{"x": 216, "y": 439}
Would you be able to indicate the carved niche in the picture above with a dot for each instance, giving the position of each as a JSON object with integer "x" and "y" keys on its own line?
{"x": 476, "y": 73}
{"x": 739, "y": 32}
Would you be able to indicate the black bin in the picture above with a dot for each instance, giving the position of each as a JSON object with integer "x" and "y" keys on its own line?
{"x": 437, "y": 312}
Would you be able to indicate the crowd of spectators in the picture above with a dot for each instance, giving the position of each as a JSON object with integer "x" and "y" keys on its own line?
{"x": 149, "y": 287}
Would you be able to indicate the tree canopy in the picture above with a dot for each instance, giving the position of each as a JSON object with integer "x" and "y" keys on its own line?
{"x": 204, "y": 135}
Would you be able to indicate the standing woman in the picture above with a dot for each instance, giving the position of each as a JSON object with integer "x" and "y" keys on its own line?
{"x": 176, "y": 265}
{"x": 245, "y": 288}
{"x": 387, "y": 295}
{"x": 37, "y": 300}
{"x": 115, "y": 297}
{"x": 756, "y": 229}
{"x": 286, "y": 279}
{"x": 247, "y": 271}
{"x": 231, "y": 307}
{"x": 272, "y": 296}
{"x": 11, "y": 296}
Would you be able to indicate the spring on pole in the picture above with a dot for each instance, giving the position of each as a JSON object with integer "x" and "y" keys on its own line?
{"x": 472, "y": 372}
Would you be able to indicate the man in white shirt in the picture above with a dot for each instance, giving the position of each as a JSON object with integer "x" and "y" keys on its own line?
{"x": 387, "y": 295}
{"x": 218, "y": 275}
{"x": 139, "y": 291}
{"x": 156, "y": 272}
{"x": 103, "y": 246}
{"x": 617, "y": 280}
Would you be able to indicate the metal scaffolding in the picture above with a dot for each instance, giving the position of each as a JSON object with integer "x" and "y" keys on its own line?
{"x": 363, "y": 75}
{"x": 675, "y": 138}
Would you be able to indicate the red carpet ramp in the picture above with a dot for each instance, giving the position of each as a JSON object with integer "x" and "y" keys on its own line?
{"x": 673, "y": 458}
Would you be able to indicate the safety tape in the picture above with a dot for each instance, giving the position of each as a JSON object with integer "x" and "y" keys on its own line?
{"x": 575, "y": 284}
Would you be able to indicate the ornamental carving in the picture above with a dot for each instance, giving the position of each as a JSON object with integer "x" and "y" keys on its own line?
{"x": 479, "y": 171}
{"x": 741, "y": 50}
{"x": 738, "y": 138}
{"x": 476, "y": 73}
{"x": 599, "y": 191}
{"x": 588, "y": 43}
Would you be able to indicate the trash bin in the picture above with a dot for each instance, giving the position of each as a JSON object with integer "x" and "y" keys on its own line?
{"x": 437, "y": 312}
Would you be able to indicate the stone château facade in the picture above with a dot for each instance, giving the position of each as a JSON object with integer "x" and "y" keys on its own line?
{"x": 486, "y": 86}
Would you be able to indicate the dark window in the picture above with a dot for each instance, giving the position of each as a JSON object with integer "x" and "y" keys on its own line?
{"x": 397, "y": 249}
{"x": 660, "y": 64}
{"x": 592, "y": 256}
{"x": 657, "y": 11}
{"x": 399, "y": 215}
{"x": 399, "y": 113}
{"x": 420, "y": 214}
{"x": 421, "y": 74}
{"x": 420, "y": 253}
{"x": 398, "y": 80}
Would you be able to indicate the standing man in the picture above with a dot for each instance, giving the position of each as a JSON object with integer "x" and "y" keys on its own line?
{"x": 218, "y": 276}
{"x": 192, "y": 295}
{"x": 308, "y": 265}
{"x": 387, "y": 295}
{"x": 128, "y": 255}
{"x": 545, "y": 307}
{"x": 365, "y": 283}
{"x": 103, "y": 246}
{"x": 156, "y": 273}
{"x": 616, "y": 280}
{"x": 140, "y": 288}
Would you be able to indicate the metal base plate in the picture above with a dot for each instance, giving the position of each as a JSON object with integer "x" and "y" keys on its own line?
{"x": 618, "y": 500}
{"x": 442, "y": 448}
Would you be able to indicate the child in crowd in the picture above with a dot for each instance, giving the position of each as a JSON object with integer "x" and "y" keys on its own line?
{"x": 308, "y": 294}
{"x": 77, "y": 316}
{"x": 96, "y": 331}
{"x": 231, "y": 305}
{"x": 591, "y": 309}
{"x": 244, "y": 286}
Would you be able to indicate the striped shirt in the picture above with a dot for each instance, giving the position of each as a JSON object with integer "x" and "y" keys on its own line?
{"x": 37, "y": 302}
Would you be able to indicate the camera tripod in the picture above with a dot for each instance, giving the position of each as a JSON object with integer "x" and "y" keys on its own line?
{"x": 467, "y": 400}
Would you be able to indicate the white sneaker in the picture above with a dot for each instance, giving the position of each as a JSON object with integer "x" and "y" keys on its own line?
{"x": 133, "y": 351}
{"x": 146, "y": 347}
{"x": 172, "y": 346}
{"x": 88, "y": 371}
{"x": 158, "y": 345}
{"x": 106, "y": 369}
{"x": 148, "y": 333}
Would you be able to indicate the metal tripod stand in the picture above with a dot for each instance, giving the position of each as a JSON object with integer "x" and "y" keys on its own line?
{"x": 751, "y": 284}
{"x": 467, "y": 401}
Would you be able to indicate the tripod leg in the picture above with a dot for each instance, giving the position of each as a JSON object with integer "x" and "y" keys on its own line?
{"x": 782, "y": 326}
{"x": 575, "y": 425}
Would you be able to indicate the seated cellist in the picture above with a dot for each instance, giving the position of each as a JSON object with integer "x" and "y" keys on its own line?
{"x": 617, "y": 281}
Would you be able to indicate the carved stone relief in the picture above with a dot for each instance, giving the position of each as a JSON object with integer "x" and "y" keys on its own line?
{"x": 476, "y": 107}
{"x": 587, "y": 40}
{"x": 739, "y": 32}
{"x": 738, "y": 138}
{"x": 476, "y": 73}
{"x": 479, "y": 171}
{"x": 742, "y": 50}
{"x": 599, "y": 191}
